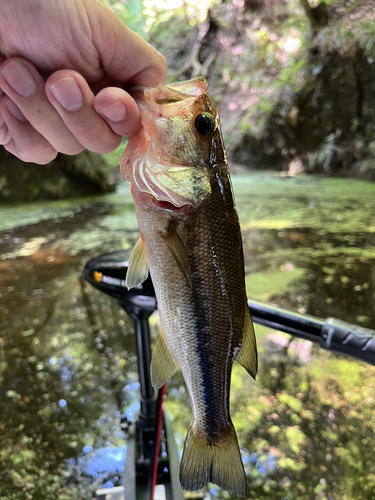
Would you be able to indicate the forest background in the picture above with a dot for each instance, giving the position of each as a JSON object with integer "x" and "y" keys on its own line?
{"x": 294, "y": 81}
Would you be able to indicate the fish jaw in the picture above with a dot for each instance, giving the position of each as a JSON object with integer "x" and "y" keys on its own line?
{"x": 149, "y": 201}
{"x": 168, "y": 182}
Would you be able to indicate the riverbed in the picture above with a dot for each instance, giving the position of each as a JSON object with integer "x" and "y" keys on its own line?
{"x": 67, "y": 352}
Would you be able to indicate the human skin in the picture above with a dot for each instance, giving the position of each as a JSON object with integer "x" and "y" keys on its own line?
{"x": 65, "y": 65}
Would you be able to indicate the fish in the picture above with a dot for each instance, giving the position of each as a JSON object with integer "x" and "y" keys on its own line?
{"x": 190, "y": 242}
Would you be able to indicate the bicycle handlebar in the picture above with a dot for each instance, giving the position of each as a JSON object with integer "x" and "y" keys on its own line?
{"x": 332, "y": 334}
{"x": 351, "y": 340}
{"x": 107, "y": 273}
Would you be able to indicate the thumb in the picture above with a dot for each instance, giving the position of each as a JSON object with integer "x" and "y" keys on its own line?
{"x": 125, "y": 56}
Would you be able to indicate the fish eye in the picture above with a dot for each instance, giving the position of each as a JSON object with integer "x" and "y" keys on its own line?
{"x": 204, "y": 124}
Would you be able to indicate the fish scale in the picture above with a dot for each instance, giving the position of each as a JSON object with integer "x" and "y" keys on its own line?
{"x": 219, "y": 304}
{"x": 191, "y": 242}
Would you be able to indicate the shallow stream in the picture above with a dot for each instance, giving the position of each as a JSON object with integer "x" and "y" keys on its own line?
{"x": 67, "y": 353}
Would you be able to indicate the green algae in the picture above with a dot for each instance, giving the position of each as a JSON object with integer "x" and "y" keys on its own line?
{"x": 332, "y": 204}
{"x": 258, "y": 284}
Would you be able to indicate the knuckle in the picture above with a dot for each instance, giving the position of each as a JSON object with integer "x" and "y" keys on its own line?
{"x": 113, "y": 143}
{"x": 99, "y": 139}
{"x": 91, "y": 134}
{"x": 161, "y": 64}
{"x": 52, "y": 128}
{"x": 29, "y": 145}
{"x": 48, "y": 157}
{"x": 47, "y": 123}
{"x": 3, "y": 99}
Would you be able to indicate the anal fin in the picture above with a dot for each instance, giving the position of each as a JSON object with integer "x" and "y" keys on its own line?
{"x": 248, "y": 356}
{"x": 138, "y": 266}
{"x": 163, "y": 365}
{"x": 177, "y": 249}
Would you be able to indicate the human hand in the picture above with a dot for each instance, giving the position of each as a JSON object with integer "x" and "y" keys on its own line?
{"x": 65, "y": 65}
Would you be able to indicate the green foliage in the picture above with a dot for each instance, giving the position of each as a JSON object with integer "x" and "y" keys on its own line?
{"x": 347, "y": 35}
{"x": 130, "y": 12}
{"x": 89, "y": 167}
{"x": 112, "y": 159}
{"x": 61, "y": 388}
{"x": 267, "y": 64}
{"x": 367, "y": 164}
{"x": 323, "y": 155}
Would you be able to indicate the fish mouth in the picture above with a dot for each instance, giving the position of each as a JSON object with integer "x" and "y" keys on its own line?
{"x": 167, "y": 205}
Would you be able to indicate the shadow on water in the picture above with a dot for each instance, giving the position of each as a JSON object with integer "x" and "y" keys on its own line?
{"x": 67, "y": 353}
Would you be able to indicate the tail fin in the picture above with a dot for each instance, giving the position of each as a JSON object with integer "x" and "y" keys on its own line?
{"x": 219, "y": 463}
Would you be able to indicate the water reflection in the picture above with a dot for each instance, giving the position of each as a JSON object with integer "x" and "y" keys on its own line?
{"x": 67, "y": 353}
{"x": 338, "y": 270}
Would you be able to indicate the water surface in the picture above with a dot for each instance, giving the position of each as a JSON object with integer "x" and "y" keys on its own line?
{"x": 67, "y": 354}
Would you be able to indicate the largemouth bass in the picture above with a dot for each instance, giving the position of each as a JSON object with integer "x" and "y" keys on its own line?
{"x": 191, "y": 243}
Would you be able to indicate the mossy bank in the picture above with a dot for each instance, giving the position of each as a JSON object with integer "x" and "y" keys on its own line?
{"x": 65, "y": 177}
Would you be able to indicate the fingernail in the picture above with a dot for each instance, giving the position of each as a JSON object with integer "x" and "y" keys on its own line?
{"x": 19, "y": 78}
{"x": 67, "y": 94}
{"x": 115, "y": 112}
{"x": 15, "y": 111}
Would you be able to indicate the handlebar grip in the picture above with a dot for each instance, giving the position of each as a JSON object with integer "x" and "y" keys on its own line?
{"x": 352, "y": 340}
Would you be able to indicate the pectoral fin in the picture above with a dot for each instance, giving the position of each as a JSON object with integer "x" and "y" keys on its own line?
{"x": 248, "y": 357}
{"x": 138, "y": 266}
{"x": 177, "y": 249}
{"x": 163, "y": 365}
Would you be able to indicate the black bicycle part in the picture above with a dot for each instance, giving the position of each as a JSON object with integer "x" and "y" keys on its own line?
{"x": 107, "y": 273}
